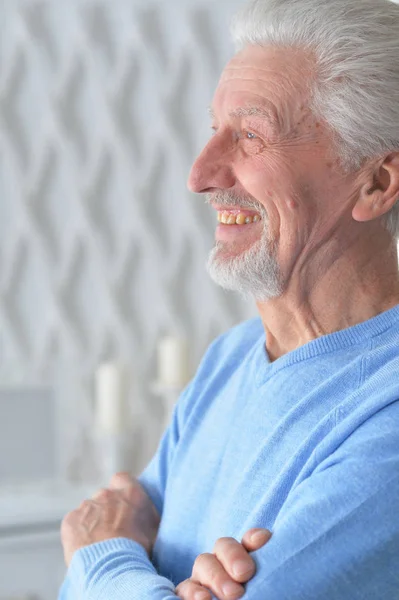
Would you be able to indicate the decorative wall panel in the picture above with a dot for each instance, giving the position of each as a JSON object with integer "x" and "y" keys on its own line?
{"x": 103, "y": 107}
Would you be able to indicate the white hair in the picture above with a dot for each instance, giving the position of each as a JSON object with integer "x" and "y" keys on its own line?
{"x": 356, "y": 47}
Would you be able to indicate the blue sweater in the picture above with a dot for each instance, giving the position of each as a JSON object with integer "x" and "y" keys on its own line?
{"x": 307, "y": 446}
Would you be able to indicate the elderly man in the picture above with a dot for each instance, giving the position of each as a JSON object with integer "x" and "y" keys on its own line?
{"x": 292, "y": 421}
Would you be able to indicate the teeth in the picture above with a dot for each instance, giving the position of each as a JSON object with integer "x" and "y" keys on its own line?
{"x": 231, "y": 220}
{"x": 240, "y": 219}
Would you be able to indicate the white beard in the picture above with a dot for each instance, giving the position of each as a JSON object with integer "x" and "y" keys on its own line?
{"x": 253, "y": 273}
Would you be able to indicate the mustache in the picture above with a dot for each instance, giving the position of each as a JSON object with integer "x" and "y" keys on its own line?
{"x": 231, "y": 199}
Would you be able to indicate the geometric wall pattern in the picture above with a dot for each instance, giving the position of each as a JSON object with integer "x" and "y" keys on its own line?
{"x": 102, "y": 248}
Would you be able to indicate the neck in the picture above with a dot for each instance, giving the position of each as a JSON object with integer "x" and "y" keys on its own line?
{"x": 354, "y": 288}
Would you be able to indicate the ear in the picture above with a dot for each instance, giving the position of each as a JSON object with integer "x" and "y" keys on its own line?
{"x": 381, "y": 191}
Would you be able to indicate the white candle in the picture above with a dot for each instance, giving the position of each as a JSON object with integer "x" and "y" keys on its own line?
{"x": 173, "y": 369}
{"x": 112, "y": 415}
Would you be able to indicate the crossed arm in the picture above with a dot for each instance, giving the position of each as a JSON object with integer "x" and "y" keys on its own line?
{"x": 124, "y": 510}
{"x": 299, "y": 562}
{"x": 330, "y": 540}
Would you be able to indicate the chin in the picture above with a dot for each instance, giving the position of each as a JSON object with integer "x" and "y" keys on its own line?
{"x": 253, "y": 272}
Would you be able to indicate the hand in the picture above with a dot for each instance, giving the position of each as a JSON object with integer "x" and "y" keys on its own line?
{"x": 123, "y": 510}
{"x": 223, "y": 571}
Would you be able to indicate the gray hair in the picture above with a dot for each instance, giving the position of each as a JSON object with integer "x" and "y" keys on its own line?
{"x": 356, "y": 47}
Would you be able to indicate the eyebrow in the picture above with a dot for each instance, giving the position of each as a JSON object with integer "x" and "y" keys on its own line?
{"x": 248, "y": 111}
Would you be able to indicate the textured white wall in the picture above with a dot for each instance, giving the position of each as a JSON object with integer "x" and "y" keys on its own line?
{"x": 102, "y": 248}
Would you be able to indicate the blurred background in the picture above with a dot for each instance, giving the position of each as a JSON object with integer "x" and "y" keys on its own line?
{"x": 105, "y": 305}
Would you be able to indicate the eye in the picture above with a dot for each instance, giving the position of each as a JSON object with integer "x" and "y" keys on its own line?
{"x": 250, "y": 136}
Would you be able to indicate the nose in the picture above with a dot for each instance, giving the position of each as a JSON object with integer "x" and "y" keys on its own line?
{"x": 213, "y": 168}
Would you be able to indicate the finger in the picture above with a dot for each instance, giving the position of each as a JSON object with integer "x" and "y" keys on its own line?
{"x": 210, "y": 573}
{"x": 235, "y": 559}
{"x": 103, "y": 495}
{"x": 255, "y": 539}
{"x": 121, "y": 481}
{"x": 83, "y": 506}
{"x": 191, "y": 590}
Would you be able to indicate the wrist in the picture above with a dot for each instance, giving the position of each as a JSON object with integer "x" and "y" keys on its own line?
{"x": 95, "y": 559}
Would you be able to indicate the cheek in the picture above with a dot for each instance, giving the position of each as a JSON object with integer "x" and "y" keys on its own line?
{"x": 278, "y": 183}
{"x": 269, "y": 179}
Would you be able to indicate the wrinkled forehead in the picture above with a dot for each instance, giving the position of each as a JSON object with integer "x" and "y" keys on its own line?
{"x": 278, "y": 79}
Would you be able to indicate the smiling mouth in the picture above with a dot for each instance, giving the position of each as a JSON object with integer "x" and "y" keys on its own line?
{"x": 229, "y": 217}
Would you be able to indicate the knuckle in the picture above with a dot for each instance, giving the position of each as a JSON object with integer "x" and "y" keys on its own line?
{"x": 68, "y": 522}
{"x": 121, "y": 478}
{"x": 183, "y": 588}
{"x": 229, "y": 550}
{"x": 71, "y": 516}
{"x": 188, "y": 589}
{"x": 85, "y": 509}
{"x": 224, "y": 543}
{"x": 203, "y": 559}
{"x": 206, "y": 569}
{"x": 104, "y": 494}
